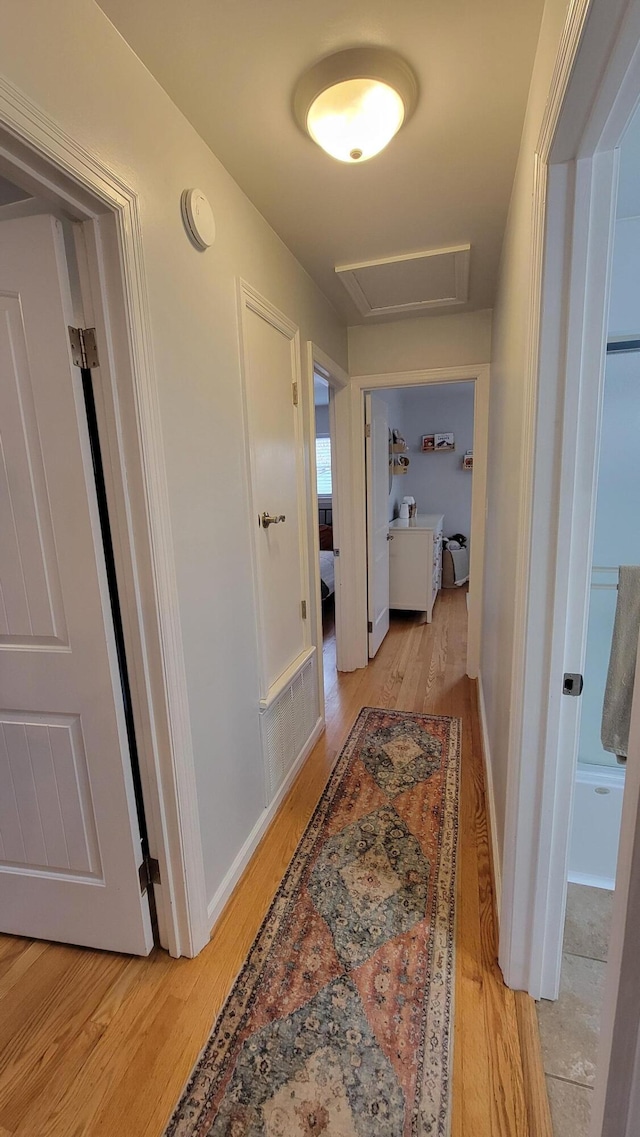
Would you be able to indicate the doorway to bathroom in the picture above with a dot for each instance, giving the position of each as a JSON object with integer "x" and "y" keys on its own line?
{"x": 570, "y": 1027}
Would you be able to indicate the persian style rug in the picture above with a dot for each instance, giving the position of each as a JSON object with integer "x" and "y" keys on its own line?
{"x": 340, "y": 1022}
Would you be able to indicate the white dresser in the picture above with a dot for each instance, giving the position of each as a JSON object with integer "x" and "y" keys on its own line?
{"x": 415, "y": 562}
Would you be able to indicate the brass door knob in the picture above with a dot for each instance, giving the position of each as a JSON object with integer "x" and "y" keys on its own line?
{"x": 267, "y": 519}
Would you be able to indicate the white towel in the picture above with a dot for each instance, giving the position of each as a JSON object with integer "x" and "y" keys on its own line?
{"x": 616, "y": 712}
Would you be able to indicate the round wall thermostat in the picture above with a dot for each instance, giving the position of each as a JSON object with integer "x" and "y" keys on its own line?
{"x": 198, "y": 218}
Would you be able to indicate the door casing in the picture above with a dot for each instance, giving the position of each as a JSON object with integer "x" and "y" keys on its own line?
{"x": 595, "y": 90}
{"x": 338, "y": 380}
{"x": 574, "y": 207}
{"x": 37, "y": 154}
{"x": 350, "y": 445}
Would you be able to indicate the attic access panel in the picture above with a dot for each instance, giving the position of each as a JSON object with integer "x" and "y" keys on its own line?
{"x": 414, "y": 282}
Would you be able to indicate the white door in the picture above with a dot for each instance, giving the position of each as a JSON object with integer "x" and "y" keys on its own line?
{"x": 377, "y": 465}
{"x": 277, "y": 477}
{"x": 69, "y": 837}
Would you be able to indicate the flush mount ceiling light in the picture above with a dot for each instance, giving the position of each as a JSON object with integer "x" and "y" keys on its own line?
{"x": 353, "y": 103}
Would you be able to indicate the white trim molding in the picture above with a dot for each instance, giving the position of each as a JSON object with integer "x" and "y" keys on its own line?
{"x": 63, "y": 171}
{"x": 353, "y": 538}
{"x": 338, "y": 380}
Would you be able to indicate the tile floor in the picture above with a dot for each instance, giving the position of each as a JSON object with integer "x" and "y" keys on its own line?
{"x": 569, "y": 1028}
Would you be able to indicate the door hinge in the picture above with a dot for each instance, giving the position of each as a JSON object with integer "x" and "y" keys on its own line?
{"x": 367, "y": 430}
{"x": 303, "y": 609}
{"x": 84, "y": 352}
{"x": 369, "y": 626}
{"x": 572, "y": 683}
{"x": 295, "y": 394}
{"x": 149, "y": 873}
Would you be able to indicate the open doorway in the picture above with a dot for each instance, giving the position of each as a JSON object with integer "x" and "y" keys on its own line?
{"x": 610, "y": 564}
{"x": 428, "y": 468}
{"x": 354, "y": 541}
{"x": 329, "y": 495}
{"x": 324, "y": 489}
{"x": 575, "y": 248}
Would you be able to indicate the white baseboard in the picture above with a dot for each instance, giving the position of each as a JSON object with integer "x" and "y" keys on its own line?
{"x": 490, "y": 800}
{"x": 232, "y": 876}
{"x": 592, "y": 881}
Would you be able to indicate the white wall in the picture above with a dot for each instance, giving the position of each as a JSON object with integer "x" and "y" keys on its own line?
{"x": 69, "y": 59}
{"x": 624, "y": 311}
{"x": 506, "y": 415}
{"x": 437, "y": 481}
{"x": 322, "y": 420}
{"x": 617, "y": 532}
{"x": 426, "y": 342}
{"x": 393, "y": 399}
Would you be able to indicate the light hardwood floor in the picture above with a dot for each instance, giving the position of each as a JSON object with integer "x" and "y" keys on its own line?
{"x": 101, "y": 1045}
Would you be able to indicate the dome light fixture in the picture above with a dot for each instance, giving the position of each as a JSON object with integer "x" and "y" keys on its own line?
{"x": 353, "y": 103}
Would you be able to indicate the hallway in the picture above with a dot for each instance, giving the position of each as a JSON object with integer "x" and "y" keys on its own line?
{"x": 97, "y": 1044}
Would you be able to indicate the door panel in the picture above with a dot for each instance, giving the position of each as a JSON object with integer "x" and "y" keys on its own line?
{"x": 277, "y": 488}
{"x": 69, "y": 836}
{"x": 377, "y": 465}
{"x": 31, "y": 608}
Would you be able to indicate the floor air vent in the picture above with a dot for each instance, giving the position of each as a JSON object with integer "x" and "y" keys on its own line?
{"x": 287, "y": 725}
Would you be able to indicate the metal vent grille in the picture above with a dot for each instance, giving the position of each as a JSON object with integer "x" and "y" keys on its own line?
{"x": 287, "y": 726}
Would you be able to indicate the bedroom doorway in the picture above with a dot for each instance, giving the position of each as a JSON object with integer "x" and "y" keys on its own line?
{"x": 328, "y": 384}
{"x": 324, "y": 489}
{"x": 419, "y": 458}
{"x": 353, "y": 538}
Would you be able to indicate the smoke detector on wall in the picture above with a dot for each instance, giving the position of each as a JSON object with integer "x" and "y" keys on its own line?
{"x": 415, "y": 282}
{"x": 198, "y": 218}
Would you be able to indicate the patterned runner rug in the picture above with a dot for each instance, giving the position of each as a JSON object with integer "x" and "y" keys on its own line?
{"x": 340, "y": 1022}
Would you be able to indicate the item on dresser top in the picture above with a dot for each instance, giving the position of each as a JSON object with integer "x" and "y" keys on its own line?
{"x": 404, "y": 511}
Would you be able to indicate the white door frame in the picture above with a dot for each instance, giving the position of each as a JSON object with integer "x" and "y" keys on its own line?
{"x": 338, "y": 380}
{"x": 353, "y": 540}
{"x": 595, "y": 89}
{"x": 40, "y": 155}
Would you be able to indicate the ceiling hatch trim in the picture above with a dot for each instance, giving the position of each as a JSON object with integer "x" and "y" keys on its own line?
{"x": 413, "y": 282}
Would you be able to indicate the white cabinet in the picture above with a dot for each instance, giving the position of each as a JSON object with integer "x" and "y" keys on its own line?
{"x": 415, "y": 563}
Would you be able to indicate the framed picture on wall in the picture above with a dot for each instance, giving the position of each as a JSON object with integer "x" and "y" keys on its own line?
{"x": 443, "y": 442}
{"x": 427, "y": 442}
{"x": 467, "y": 461}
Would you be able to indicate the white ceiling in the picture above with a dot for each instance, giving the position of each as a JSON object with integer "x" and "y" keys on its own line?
{"x": 231, "y": 66}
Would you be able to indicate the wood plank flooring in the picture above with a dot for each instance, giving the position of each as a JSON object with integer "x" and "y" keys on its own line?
{"x": 99, "y": 1045}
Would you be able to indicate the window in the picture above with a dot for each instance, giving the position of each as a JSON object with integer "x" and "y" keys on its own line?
{"x": 323, "y": 466}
